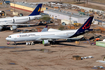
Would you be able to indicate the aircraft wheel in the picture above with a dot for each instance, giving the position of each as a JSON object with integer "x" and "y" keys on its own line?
{"x": 53, "y": 42}
{"x": 29, "y": 43}
{"x": 11, "y": 28}
{"x": 32, "y": 43}
{"x": 26, "y": 43}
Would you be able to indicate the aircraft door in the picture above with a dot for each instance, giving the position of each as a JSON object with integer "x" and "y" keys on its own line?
{"x": 13, "y": 20}
{"x": 29, "y": 18}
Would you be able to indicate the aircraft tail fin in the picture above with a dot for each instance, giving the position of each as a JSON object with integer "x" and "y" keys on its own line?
{"x": 36, "y": 10}
{"x": 85, "y": 27}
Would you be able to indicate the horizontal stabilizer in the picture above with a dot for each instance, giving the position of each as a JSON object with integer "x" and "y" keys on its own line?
{"x": 51, "y": 38}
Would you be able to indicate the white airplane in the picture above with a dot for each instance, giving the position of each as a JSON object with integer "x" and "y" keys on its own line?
{"x": 15, "y": 21}
{"x": 51, "y": 35}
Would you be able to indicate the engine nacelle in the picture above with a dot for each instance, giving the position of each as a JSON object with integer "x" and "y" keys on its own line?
{"x": 13, "y": 27}
{"x": 45, "y": 42}
{"x": 1, "y": 27}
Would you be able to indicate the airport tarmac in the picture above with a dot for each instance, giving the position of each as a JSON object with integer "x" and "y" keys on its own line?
{"x": 53, "y": 57}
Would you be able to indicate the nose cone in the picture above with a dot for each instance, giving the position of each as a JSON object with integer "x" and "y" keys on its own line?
{"x": 8, "y": 39}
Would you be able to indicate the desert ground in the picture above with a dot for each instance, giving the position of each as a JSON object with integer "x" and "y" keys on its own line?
{"x": 52, "y": 57}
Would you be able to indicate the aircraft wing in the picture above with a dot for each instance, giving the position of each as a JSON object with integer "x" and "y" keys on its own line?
{"x": 52, "y": 38}
{"x": 45, "y": 29}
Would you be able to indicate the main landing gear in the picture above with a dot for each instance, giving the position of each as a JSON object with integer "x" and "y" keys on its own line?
{"x": 30, "y": 43}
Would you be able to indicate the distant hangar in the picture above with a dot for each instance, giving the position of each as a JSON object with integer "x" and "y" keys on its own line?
{"x": 66, "y": 17}
{"x": 25, "y": 6}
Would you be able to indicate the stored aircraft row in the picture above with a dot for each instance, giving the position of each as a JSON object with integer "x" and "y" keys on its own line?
{"x": 13, "y": 22}
{"x": 47, "y": 36}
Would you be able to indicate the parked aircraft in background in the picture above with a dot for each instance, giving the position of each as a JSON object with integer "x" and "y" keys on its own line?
{"x": 13, "y": 22}
{"x": 51, "y": 35}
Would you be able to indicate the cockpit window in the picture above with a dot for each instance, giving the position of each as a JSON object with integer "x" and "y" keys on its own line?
{"x": 9, "y": 36}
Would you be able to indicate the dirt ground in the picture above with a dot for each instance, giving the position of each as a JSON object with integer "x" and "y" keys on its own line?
{"x": 52, "y": 57}
{"x": 57, "y": 57}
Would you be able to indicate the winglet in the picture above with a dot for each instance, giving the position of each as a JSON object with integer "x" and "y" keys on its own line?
{"x": 85, "y": 27}
{"x": 45, "y": 29}
{"x": 36, "y": 10}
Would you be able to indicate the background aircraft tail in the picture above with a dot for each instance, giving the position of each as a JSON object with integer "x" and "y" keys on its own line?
{"x": 36, "y": 10}
{"x": 85, "y": 27}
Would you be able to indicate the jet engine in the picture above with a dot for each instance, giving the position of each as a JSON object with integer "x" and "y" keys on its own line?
{"x": 45, "y": 42}
{"x": 1, "y": 27}
{"x": 13, "y": 27}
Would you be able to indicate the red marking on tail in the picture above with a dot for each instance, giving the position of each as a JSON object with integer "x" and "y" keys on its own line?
{"x": 85, "y": 26}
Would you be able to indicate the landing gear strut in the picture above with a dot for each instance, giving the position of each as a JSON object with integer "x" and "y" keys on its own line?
{"x": 52, "y": 42}
{"x": 29, "y": 43}
{"x": 15, "y": 43}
